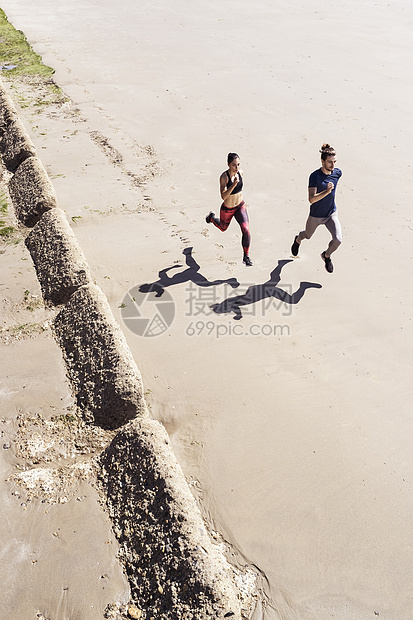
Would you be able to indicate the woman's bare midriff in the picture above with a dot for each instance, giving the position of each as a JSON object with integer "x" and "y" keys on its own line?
{"x": 233, "y": 200}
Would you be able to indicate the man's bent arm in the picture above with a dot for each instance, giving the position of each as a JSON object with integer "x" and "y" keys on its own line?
{"x": 314, "y": 197}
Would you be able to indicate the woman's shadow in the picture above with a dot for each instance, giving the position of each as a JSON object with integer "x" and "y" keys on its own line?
{"x": 258, "y": 292}
{"x": 191, "y": 274}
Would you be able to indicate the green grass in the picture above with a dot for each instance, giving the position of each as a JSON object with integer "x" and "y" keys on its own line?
{"x": 29, "y": 328}
{"x": 8, "y": 234}
{"x": 67, "y": 419}
{"x": 4, "y": 205}
{"x": 32, "y": 301}
{"x": 15, "y": 50}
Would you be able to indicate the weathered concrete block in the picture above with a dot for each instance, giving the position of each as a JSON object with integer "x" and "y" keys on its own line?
{"x": 15, "y": 145}
{"x": 60, "y": 264}
{"x": 8, "y": 112}
{"x": 103, "y": 373}
{"x": 174, "y": 569}
{"x": 31, "y": 192}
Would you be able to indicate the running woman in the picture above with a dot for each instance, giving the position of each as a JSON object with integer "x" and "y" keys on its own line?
{"x": 230, "y": 184}
{"x": 321, "y": 195}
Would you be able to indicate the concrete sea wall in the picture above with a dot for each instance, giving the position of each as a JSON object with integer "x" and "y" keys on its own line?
{"x": 174, "y": 569}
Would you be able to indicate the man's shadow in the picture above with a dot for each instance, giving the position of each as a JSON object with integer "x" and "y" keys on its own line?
{"x": 191, "y": 274}
{"x": 258, "y": 292}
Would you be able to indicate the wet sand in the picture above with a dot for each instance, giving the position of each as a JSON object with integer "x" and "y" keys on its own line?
{"x": 58, "y": 553}
{"x": 298, "y": 441}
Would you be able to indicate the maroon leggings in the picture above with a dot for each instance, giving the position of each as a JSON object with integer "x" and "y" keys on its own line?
{"x": 241, "y": 215}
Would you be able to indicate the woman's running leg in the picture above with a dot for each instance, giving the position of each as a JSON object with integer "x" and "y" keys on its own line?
{"x": 225, "y": 216}
{"x": 241, "y": 216}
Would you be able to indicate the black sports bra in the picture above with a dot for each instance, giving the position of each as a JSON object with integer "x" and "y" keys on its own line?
{"x": 237, "y": 189}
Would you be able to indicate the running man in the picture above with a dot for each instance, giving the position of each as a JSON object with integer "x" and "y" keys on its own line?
{"x": 230, "y": 185}
{"x": 321, "y": 195}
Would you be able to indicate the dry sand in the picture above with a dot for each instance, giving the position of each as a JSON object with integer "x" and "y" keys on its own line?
{"x": 299, "y": 443}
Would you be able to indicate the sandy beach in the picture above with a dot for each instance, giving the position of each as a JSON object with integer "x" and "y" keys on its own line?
{"x": 58, "y": 551}
{"x": 292, "y": 423}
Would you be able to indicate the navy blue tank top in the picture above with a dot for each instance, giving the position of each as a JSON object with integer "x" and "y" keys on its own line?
{"x": 237, "y": 189}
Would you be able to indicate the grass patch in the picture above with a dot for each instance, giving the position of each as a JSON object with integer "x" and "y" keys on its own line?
{"x": 8, "y": 234}
{"x": 16, "y": 51}
{"x": 4, "y": 205}
{"x": 31, "y": 302}
{"x": 19, "y": 61}
{"x": 67, "y": 419}
{"x": 26, "y": 330}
